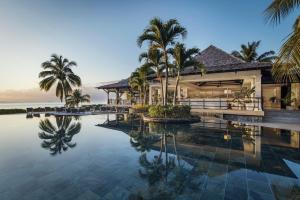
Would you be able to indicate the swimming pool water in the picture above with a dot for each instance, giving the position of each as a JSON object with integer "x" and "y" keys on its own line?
{"x": 116, "y": 157}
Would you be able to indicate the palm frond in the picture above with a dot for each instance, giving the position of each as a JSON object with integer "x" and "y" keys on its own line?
{"x": 279, "y": 9}
{"x": 47, "y": 83}
{"x": 287, "y": 66}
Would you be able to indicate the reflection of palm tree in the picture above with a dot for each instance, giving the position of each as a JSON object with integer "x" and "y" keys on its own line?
{"x": 58, "y": 139}
{"x": 164, "y": 175}
{"x": 155, "y": 170}
{"x": 142, "y": 141}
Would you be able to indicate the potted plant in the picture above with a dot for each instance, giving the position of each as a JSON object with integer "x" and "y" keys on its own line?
{"x": 243, "y": 97}
{"x": 287, "y": 101}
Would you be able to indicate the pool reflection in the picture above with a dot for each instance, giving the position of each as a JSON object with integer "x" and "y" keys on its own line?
{"x": 213, "y": 159}
{"x": 58, "y": 138}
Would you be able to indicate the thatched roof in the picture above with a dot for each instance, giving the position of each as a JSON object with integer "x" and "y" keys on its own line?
{"x": 216, "y": 60}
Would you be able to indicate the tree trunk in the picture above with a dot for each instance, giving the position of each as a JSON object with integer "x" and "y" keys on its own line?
{"x": 166, "y": 78}
{"x": 141, "y": 101}
{"x": 145, "y": 95}
{"x": 162, "y": 90}
{"x": 176, "y": 86}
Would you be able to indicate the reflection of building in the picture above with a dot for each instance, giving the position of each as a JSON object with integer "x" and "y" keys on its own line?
{"x": 264, "y": 152}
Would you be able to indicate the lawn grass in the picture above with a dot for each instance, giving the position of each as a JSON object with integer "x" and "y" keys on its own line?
{"x": 11, "y": 111}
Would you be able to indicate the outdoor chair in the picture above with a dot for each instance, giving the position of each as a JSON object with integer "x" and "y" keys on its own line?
{"x": 29, "y": 110}
{"x": 74, "y": 110}
{"x": 35, "y": 110}
{"x": 47, "y": 109}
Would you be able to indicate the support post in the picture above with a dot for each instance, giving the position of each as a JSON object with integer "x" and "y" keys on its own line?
{"x": 117, "y": 97}
{"x": 107, "y": 92}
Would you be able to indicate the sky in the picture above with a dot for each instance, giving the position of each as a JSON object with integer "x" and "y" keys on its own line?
{"x": 101, "y": 35}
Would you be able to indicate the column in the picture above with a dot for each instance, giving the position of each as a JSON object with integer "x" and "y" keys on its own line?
{"x": 258, "y": 90}
{"x": 117, "y": 97}
{"x": 107, "y": 92}
{"x": 150, "y": 95}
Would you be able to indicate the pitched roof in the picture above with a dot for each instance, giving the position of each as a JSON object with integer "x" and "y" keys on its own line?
{"x": 216, "y": 60}
{"x": 213, "y": 56}
{"x": 118, "y": 85}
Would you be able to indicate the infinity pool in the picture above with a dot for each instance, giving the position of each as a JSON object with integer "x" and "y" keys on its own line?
{"x": 117, "y": 157}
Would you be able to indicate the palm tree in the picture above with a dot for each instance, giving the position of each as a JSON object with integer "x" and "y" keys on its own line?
{"x": 248, "y": 53}
{"x": 58, "y": 139}
{"x": 76, "y": 98}
{"x": 184, "y": 58}
{"x": 58, "y": 71}
{"x": 161, "y": 35}
{"x": 153, "y": 60}
{"x": 287, "y": 66}
{"x": 138, "y": 81}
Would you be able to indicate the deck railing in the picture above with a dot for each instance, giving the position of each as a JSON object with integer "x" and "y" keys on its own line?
{"x": 121, "y": 102}
{"x": 223, "y": 104}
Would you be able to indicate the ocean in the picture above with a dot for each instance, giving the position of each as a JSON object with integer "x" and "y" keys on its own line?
{"x": 34, "y": 105}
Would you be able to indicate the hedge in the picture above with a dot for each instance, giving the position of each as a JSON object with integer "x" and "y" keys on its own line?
{"x": 169, "y": 111}
{"x": 11, "y": 111}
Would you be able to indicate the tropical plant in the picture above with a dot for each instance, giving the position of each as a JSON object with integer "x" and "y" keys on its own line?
{"x": 138, "y": 81}
{"x": 184, "y": 58}
{"x": 160, "y": 36}
{"x": 58, "y": 71}
{"x": 288, "y": 99}
{"x": 287, "y": 66}
{"x": 58, "y": 139}
{"x": 76, "y": 98}
{"x": 169, "y": 111}
{"x": 244, "y": 96}
{"x": 153, "y": 60}
{"x": 248, "y": 53}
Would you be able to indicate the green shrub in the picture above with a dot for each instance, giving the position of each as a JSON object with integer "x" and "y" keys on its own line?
{"x": 139, "y": 108}
{"x": 11, "y": 111}
{"x": 170, "y": 111}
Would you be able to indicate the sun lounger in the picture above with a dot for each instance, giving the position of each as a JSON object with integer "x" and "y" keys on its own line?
{"x": 48, "y": 109}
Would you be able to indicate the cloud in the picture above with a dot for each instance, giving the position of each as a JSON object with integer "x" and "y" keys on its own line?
{"x": 36, "y": 95}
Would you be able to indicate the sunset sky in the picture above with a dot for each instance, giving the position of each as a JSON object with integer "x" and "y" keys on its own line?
{"x": 101, "y": 35}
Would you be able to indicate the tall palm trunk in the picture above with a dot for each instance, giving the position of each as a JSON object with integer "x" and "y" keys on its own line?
{"x": 162, "y": 90}
{"x": 176, "y": 88}
{"x": 145, "y": 95}
{"x": 141, "y": 99}
{"x": 166, "y": 78}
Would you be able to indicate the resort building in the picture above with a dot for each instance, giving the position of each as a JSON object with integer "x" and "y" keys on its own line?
{"x": 216, "y": 91}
